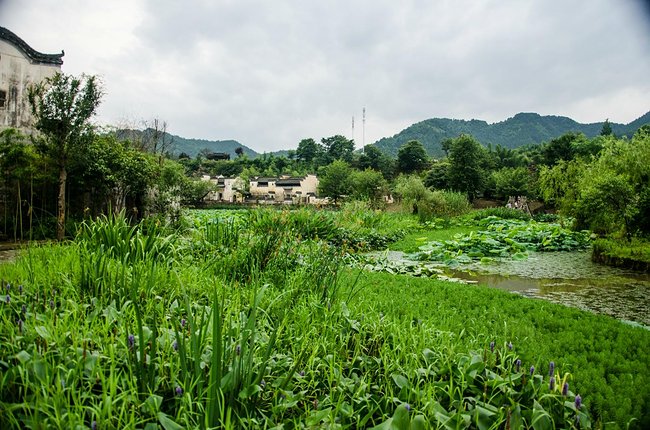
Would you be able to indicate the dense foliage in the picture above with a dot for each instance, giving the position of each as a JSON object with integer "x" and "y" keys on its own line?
{"x": 522, "y": 129}
{"x": 504, "y": 238}
{"x": 250, "y": 319}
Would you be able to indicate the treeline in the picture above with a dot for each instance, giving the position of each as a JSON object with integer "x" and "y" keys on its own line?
{"x": 603, "y": 182}
{"x": 104, "y": 174}
{"x": 71, "y": 170}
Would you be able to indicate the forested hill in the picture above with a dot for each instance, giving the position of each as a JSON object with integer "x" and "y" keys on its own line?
{"x": 190, "y": 147}
{"x": 193, "y": 146}
{"x": 522, "y": 129}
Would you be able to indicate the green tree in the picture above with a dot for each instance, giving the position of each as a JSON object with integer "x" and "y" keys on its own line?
{"x": 412, "y": 192}
{"x": 466, "y": 173}
{"x": 412, "y": 158}
{"x": 62, "y": 106}
{"x": 438, "y": 176}
{"x": 607, "y": 128}
{"x": 511, "y": 181}
{"x": 19, "y": 166}
{"x": 562, "y": 148}
{"x": 338, "y": 148}
{"x": 558, "y": 185}
{"x": 373, "y": 158}
{"x": 334, "y": 180}
{"x": 369, "y": 185}
{"x": 113, "y": 174}
{"x": 308, "y": 150}
{"x": 445, "y": 144}
{"x": 606, "y": 203}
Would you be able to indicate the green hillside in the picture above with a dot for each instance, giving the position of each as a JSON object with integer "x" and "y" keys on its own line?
{"x": 190, "y": 147}
{"x": 193, "y": 146}
{"x": 521, "y": 129}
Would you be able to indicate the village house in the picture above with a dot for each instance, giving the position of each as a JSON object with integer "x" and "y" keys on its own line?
{"x": 228, "y": 190}
{"x": 21, "y": 66}
{"x": 285, "y": 189}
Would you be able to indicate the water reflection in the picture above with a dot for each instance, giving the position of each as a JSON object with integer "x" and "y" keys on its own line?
{"x": 572, "y": 279}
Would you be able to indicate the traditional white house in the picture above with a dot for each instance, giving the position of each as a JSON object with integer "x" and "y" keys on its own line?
{"x": 226, "y": 189}
{"x": 21, "y": 66}
{"x": 285, "y": 189}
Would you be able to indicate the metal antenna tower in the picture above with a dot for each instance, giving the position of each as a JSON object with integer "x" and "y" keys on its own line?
{"x": 363, "y": 141}
{"x": 352, "y": 127}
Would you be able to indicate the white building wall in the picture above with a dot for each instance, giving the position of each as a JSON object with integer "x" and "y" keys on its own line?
{"x": 309, "y": 185}
{"x": 260, "y": 192}
{"x": 17, "y": 72}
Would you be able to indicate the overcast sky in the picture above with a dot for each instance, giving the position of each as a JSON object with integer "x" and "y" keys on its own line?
{"x": 270, "y": 73}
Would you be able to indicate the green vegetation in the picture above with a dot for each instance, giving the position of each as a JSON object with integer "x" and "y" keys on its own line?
{"x": 520, "y": 130}
{"x": 427, "y": 204}
{"x": 501, "y": 238}
{"x": 157, "y": 316}
{"x": 412, "y": 158}
{"x": 633, "y": 254}
{"x": 249, "y": 318}
{"x": 62, "y": 106}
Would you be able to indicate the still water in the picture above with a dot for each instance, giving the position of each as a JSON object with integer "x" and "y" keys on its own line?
{"x": 572, "y": 279}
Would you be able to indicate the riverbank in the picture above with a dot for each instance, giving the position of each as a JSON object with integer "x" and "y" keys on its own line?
{"x": 634, "y": 254}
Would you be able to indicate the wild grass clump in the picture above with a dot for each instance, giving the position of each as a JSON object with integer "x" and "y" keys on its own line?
{"x": 501, "y": 212}
{"x": 304, "y": 223}
{"x": 362, "y": 228}
{"x": 113, "y": 236}
{"x": 632, "y": 254}
{"x": 444, "y": 204}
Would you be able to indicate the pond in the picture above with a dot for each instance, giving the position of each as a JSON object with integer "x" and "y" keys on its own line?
{"x": 569, "y": 278}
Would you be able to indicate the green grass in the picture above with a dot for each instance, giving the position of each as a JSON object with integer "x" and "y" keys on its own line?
{"x": 623, "y": 252}
{"x": 608, "y": 360}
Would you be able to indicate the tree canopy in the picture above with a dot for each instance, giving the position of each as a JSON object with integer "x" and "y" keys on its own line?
{"x": 412, "y": 158}
{"x": 465, "y": 171}
{"x": 62, "y": 106}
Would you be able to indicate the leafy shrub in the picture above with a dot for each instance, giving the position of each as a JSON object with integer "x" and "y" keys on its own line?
{"x": 544, "y": 217}
{"x": 442, "y": 204}
{"x": 502, "y": 212}
{"x": 304, "y": 223}
{"x": 113, "y": 236}
{"x": 503, "y": 238}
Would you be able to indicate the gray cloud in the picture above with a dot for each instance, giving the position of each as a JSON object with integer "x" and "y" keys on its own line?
{"x": 271, "y": 73}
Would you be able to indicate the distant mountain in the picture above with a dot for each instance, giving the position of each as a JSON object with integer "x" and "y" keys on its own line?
{"x": 193, "y": 146}
{"x": 190, "y": 147}
{"x": 521, "y": 129}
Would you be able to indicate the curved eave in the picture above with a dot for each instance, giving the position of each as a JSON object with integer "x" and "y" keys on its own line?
{"x": 31, "y": 53}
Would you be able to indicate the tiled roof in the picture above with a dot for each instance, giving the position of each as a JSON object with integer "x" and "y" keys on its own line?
{"x": 31, "y": 53}
{"x": 291, "y": 182}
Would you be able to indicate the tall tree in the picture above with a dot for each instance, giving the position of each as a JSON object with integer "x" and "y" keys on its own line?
{"x": 561, "y": 148}
{"x": 607, "y": 128}
{"x": 335, "y": 180}
{"x": 373, "y": 158}
{"x": 338, "y": 148}
{"x": 307, "y": 150}
{"x": 412, "y": 158}
{"x": 438, "y": 177}
{"x": 465, "y": 160}
{"x": 369, "y": 185}
{"x": 62, "y": 106}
